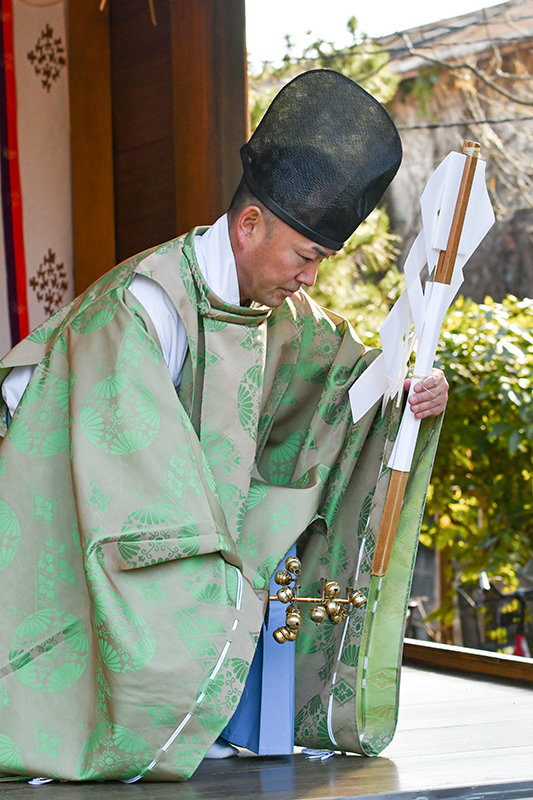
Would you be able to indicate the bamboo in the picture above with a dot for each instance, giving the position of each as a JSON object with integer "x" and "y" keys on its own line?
{"x": 443, "y": 274}
{"x": 446, "y": 262}
{"x": 389, "y": 522}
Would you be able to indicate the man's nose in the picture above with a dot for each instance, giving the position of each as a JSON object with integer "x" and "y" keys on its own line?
{"x": 308, "y": 275}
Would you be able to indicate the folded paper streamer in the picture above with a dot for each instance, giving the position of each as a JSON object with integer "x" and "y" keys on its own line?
{"x": 417, "y": 315}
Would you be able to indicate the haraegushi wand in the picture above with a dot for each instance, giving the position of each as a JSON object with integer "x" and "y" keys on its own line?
{"x": 436, "y": 306}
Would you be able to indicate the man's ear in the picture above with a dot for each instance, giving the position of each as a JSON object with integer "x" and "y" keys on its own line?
{"x": 249, "y": 227}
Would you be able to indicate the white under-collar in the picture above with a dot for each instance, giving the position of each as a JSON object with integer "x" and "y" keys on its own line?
{"x": 217, "y": 262}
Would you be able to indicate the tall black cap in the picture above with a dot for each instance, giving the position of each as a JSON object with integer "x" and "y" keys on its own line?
{"x": 322, "y": 156}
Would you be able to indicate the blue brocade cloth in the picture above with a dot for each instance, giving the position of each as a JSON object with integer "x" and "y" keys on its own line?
{"x": 263, "y": 721}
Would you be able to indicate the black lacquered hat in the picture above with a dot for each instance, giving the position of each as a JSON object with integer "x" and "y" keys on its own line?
{"x": 322, "y": 156}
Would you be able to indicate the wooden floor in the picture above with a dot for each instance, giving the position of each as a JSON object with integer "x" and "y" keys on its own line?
{"x": 458, "y": 737}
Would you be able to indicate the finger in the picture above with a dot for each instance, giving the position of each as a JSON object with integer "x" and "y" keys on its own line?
{"x": 434, "y": 385}
{"x": 430, "y": 382}
{"x": 438, "y": 395}
{"x": 421, "y": 405}
{"x": 432, "y": 412}
{"x": 435, "y": 377}
{"x": 427, "y": 385}
{"x": 428, "y": 405}
{"x": 427, "y": 410}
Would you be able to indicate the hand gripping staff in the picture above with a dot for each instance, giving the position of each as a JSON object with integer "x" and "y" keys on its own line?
{"x": 456, "y": 215}
{"x": 438, "y": 298}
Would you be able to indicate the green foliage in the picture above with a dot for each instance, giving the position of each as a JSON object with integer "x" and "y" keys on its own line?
{"x": 362, "y": 61}
{"x": 481, "y": 494}
{"x": 422, "y": 87}
{"x": 480, "y": 500}
{"x": 498, "y": 635}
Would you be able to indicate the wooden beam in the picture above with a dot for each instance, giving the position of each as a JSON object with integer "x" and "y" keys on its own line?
{"x": 143, "y": 125}
{"x": 231, "y": 65}
{"x": 210, "y": 106}
{"x": 465, "y": 660}
{"x": 91, "y": 142}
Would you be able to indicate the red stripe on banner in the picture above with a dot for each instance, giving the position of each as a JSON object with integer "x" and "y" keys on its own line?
{"x": 14, "y": 169}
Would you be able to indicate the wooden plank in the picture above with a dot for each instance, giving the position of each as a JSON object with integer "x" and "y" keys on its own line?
{"x": 126, "y": 201}
{"x": 141, "y": 79}
{"x": 444, "y": 747}
{"x": 91, "y": 142}
{"x": 461, "y": 731}
{"x": 232, "y": 69}
{"x": 210, "y": 113}
{"x": 141, "y": 73}
{"x": 145, "y": 207}
{"x": 466, "y": 660}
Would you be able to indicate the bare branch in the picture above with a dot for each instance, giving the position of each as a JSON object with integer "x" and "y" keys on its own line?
{"x": 471, "y": 67}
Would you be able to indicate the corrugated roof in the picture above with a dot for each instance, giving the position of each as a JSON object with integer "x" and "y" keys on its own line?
{"x": 454, "y": 38}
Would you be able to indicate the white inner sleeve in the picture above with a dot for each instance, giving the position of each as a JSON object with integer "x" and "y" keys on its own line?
{"x": 217, "y": 264}
{"x": 169, "y": 327}
{"x": 14, "y": 385}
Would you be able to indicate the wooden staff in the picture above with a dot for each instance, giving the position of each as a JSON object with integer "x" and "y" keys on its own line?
{"x": 443, "y": 274}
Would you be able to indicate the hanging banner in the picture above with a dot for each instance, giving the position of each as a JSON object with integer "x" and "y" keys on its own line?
{"x": 36, "y": 269}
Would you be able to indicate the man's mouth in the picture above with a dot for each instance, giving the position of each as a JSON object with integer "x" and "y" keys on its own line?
{"x": 289, "y": 292}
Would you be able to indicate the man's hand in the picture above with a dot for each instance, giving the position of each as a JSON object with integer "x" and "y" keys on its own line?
{"x": 429, "y": 396}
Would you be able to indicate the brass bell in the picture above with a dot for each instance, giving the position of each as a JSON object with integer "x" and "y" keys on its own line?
{"x": 318, "y": 614}
{"x": 283, "y": 578}
{"x": 293, "y": 619}
{"x": 285, "y": 594}
{"x": 331, "y": 589}
{"x": 357, "y": 598}
{"x": 333, "y": 608}
{"x": 279, "y": 635}
{"x": 291, "y": 634}
{"x": 338, "y": 618}
{"x": 294, "y": 565}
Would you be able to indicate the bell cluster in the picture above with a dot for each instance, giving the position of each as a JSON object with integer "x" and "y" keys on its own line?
{"x": 289, "y": 595}
{"x": 328, "y": 606}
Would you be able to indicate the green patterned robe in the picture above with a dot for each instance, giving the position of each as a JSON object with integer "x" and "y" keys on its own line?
{"x": 139, "y": 529}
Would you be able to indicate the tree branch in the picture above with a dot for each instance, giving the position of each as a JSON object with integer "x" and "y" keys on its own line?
{"x": 475, "y": 70}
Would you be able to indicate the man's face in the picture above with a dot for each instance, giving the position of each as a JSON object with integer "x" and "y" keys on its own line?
{"x": 273, "y": 260}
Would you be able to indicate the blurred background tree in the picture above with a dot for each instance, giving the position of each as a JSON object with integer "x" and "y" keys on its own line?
{"x": 481, "y": 495}
{"x": 480, "y": 501}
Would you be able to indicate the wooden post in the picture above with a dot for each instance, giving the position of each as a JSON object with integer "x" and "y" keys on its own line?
{"x": 445, "y": 590}
{"x": 210, "y": 106}
{"x": 91, "y": 142}
{"x": 143, "y": 125}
